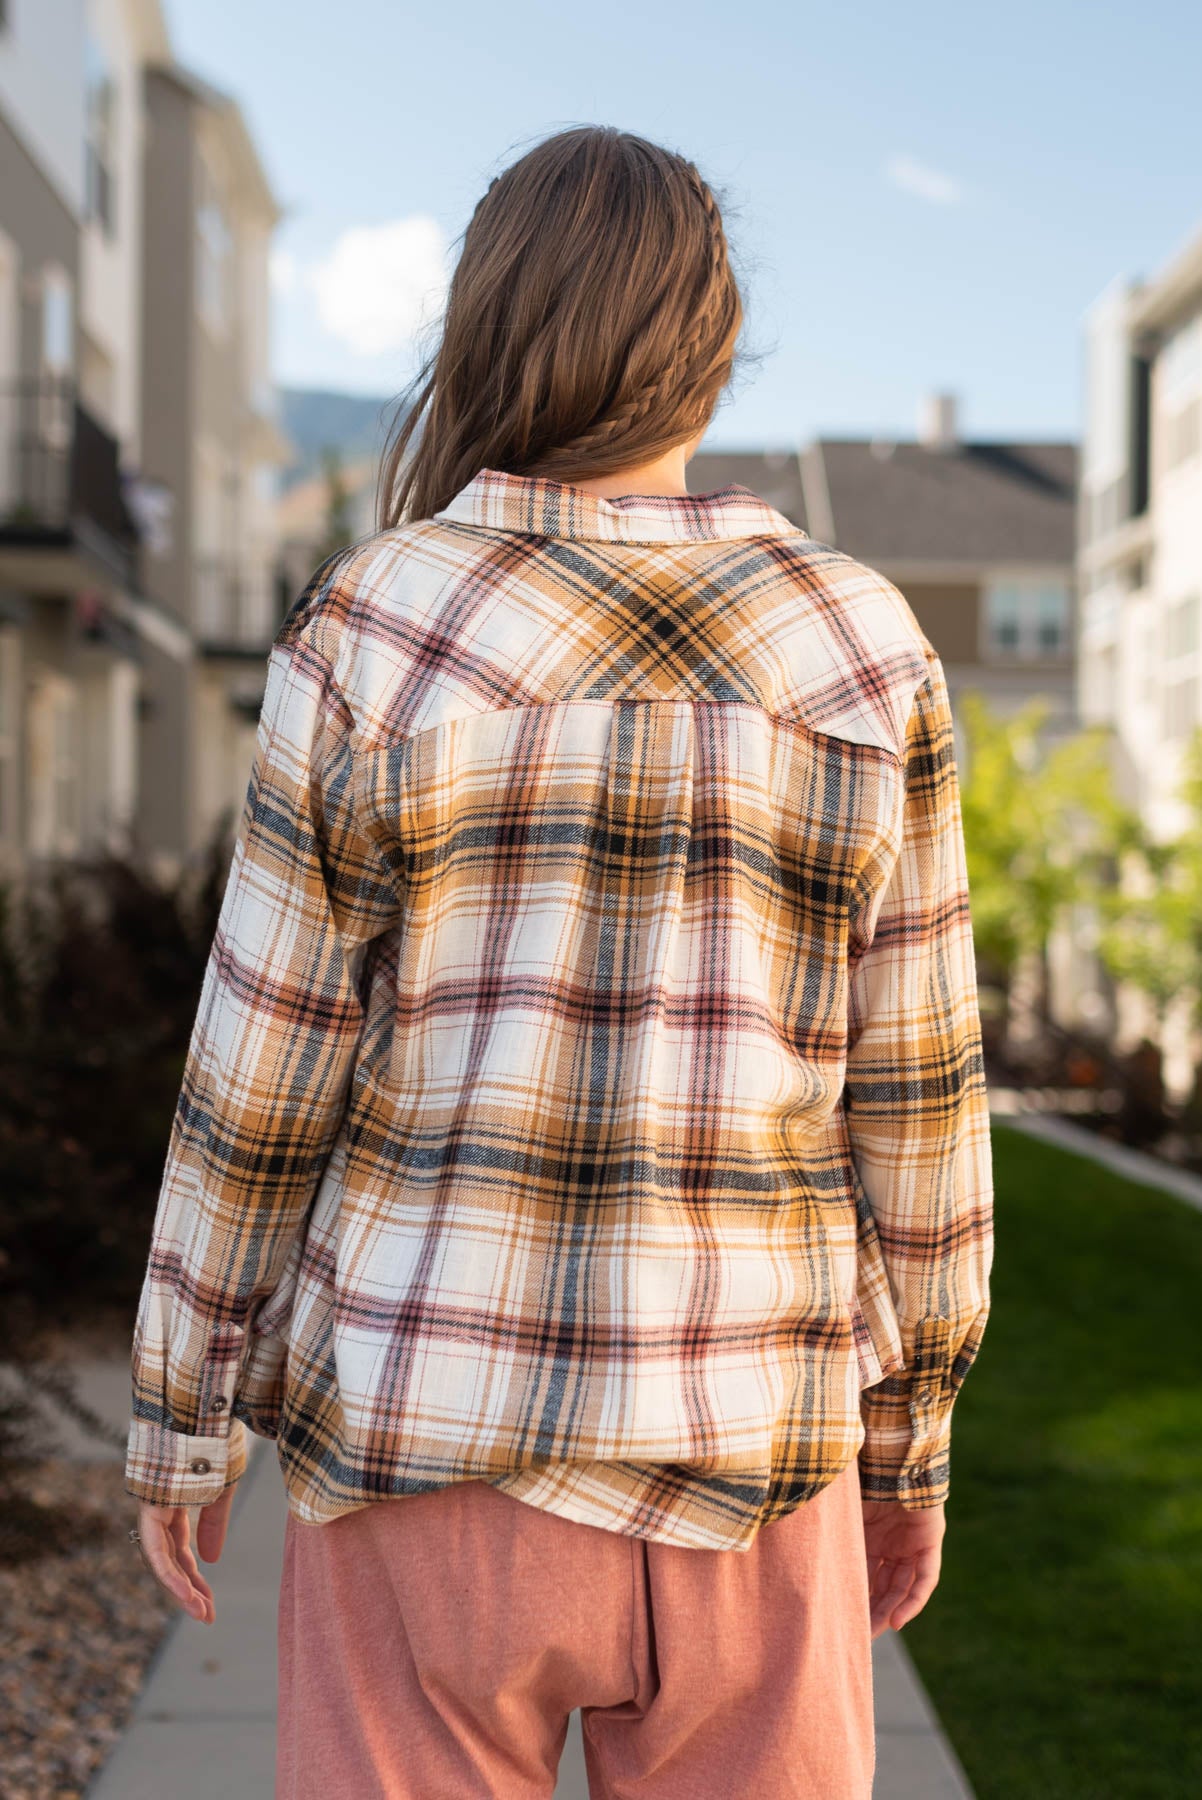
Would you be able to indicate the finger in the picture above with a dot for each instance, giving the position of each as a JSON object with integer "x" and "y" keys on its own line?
{"x": 187, "y": 1562}
{"x": 926, "y": 1579}
{"x": 161, "y": 1532}
{"x": 878, "y": 1584}
{"x": 212, "y": 1525}
{"x": 892, "y": 1588}
{"x": 198, "y": 1604}
{"x": 180, "y": 1533}
{"x": 159, "y": 1547}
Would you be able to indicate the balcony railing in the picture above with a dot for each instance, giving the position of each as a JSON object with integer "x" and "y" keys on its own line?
{"x": 60, "y": 475}
{"x": 232, "y": 605}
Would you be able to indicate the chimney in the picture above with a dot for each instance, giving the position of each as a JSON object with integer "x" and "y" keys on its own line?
{"x": 937, "y": 427}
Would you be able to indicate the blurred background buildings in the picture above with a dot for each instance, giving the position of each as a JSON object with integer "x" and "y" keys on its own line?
{"x": 139, "y": 448}
{"x": 161, "y": 500}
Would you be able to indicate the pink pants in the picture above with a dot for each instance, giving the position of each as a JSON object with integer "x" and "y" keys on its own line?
{"x": 432, "y": 1648}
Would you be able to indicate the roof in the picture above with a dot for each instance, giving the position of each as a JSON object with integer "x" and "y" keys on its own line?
{"x": 975, "y": 503}
{"x": 1158, "y": 304}
{"x": 772, "y": 474}
{"x": 886, "y": 501}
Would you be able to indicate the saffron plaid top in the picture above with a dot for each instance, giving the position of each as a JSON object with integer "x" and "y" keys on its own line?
{"x": 586, "y": 1089}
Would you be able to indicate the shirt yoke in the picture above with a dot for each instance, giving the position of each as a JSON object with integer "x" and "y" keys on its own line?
{"x": 824, "y": 641}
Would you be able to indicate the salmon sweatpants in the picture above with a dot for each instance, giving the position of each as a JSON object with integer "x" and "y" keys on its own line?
{"x": 432, "y": 1647}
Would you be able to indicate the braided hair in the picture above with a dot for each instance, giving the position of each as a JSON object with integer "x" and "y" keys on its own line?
{"x": 590, "y": 325}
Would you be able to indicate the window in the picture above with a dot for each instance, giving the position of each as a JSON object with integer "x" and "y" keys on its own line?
{"x": 1180, "y": 377}
{"x": 1140, "y": 451}
{"x": 66, "y": 765}
{"x": 1181, "y": 638}
{"x": 1183, "y": 434}
{"x": 1181, "y": 363}
{"x": 1180, "y": 706}
{"x": 1101, "y": 605}
{"x": 100, "y": 136}
{"x": 1149, "y": 686}
{"x": 1051, "y": 609}
{"x": 213, "y": 247}
{"x": 1181, "y": 628}
{"x": 57, "y": 335}
{"x": 9, "y": 732}
{"x": 1106, "y": 508}
{"x": 54, "y": 771}
{"x": 53, "y": 398}
{"x": 1027, "y": 617}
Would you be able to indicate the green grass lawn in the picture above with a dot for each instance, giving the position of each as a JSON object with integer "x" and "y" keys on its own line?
{"x": 1063, "y": 1646}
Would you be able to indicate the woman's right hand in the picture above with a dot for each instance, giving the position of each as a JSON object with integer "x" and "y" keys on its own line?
{"x": 905, "y": 1551}
{"x": 167, "y": 1552}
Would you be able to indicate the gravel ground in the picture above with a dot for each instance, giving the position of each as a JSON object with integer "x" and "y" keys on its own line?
{"x": 79, "y": 1630}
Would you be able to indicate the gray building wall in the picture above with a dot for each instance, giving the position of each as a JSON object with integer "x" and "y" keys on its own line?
{"x": 43, "y": 229}
{"x": 169, "y": 386}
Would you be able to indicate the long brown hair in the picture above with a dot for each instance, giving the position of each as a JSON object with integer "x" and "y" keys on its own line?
{"x": 590, "y": 324}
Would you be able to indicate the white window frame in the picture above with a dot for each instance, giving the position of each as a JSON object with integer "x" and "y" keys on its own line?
{"x": 10, "y": 735}
{"x": 1027, "y": 585}
{"x": 10, "y": 304}
{"x": 100, "y": 137}
{"x": 1179, "y": 391}
{"x": 57, "y": 349}
{"x": 214, "y": 250}
{"x": 56, "y": 770}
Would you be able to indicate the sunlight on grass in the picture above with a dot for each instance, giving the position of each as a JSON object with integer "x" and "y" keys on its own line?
{"x": 1063, "y": 1647}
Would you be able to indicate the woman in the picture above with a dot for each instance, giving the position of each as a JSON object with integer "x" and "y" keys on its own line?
{"x": 581, "y": 1169}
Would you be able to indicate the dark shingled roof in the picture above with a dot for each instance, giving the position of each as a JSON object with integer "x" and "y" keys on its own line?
{"x": 978, "y": 502}
{"x": 904, "y": 502}
{"x": 772, "y": 474}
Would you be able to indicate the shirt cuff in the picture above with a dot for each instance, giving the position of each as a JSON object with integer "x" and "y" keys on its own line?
{"x": 907, "y": 1424}
{"x": 175, "y": 1468}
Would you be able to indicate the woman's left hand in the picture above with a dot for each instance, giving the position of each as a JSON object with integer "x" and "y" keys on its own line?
{"x": 167, "y": 1551}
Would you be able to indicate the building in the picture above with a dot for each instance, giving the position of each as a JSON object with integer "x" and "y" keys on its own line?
{"x": 1140, "y": 566}
{"x": 71, "y": 620}
{"x": 1140, "y": 550}
{"x": 211, "y": 453}
{"x": 138, "y": 440}
{"x": 309, "y": 525}
{"x": 980, "y": 536}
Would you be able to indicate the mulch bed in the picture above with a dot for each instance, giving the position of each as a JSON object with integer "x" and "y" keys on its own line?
{"x": 79, "y": 1631}
{"x": 80, "y": 1625}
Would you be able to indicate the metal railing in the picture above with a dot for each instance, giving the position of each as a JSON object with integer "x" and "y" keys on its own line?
{"x": 60, "y": 469}
{"x": 232, "y": 603}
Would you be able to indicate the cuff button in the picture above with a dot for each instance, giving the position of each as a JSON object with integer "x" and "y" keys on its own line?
{"x": 925, "y": 1394}
{"x": 201, "y": 1466}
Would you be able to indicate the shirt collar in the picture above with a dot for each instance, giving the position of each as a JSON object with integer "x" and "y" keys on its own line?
{"x": 497, "y": 501}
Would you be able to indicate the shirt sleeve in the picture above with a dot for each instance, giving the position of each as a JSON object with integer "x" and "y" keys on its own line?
{"x": 265, "y": 1082}
{"x": 918, "y": 1119}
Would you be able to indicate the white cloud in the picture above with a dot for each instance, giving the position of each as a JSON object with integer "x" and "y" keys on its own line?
{"x": 381, "y": 283}
{"x": 914, "y": 177}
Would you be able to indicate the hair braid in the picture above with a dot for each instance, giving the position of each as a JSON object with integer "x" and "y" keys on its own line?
{"x": 696, "y": 347}
{"x": 542, "y": 368}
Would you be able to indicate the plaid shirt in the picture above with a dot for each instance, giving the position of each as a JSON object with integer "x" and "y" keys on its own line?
{"x": 586, "y": 1090}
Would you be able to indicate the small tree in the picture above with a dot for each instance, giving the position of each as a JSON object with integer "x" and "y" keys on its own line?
{"x": 339, "y": 527}
{"x": 1044, "y": 831}
{"x": 1152, "y": 934}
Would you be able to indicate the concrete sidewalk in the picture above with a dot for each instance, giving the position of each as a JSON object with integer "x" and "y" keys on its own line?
{"x": 207, "y": 1708}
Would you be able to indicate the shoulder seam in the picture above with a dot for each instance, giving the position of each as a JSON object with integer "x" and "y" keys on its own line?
{"x": 316, "y": 590}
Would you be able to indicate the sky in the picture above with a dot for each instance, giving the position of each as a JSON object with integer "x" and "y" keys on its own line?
{"x": 919, "y": 198}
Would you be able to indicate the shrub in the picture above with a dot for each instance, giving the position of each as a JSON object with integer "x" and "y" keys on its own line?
{"x": 100, "y": 974}
{"x": 101, "y": 968}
